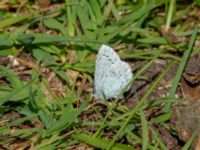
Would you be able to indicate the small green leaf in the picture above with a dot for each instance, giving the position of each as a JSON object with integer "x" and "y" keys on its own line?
{"x": 25, "y": 38}
{"x": 5, "y": 39}
{"x": 69, "y": 115}
{"x": 54, "y": 24}
{"x": 43, "y": 56}
{"x": 11, "y": 77}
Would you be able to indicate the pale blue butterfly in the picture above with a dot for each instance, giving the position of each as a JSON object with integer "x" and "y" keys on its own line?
{"x": 111, "y": 74}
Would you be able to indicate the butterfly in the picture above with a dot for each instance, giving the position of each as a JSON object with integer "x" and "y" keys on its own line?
{"x": 111, "y": 74}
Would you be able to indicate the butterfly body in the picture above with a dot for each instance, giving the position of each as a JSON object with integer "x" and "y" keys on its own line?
{"x": 111, "y": 74}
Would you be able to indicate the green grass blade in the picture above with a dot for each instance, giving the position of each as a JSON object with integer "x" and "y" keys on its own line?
{"x": 5, "y": 39}
{"x": 55, "y": 24}
{"x": 145, "y": 132}
{"x": 141, "y": 102}
{"x": 10, "y": 21}
{"x": 69, "y": 115}
{"x": 11, "y": 77}
{"x": 172, "y": 5}
{"x": 181, "y": 67}
{"x": 100, "y": 143}
{"x": 17, "y": 94}
{"x": 44, "y": 38}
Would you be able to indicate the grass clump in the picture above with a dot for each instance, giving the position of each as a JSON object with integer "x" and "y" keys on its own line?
{"x": 47, "y": 61}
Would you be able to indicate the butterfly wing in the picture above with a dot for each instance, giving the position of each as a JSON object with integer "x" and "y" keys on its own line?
{"x": 106, "y": 56}
{"x": 111, "y": 74}
{"x": 116, "y": 78}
